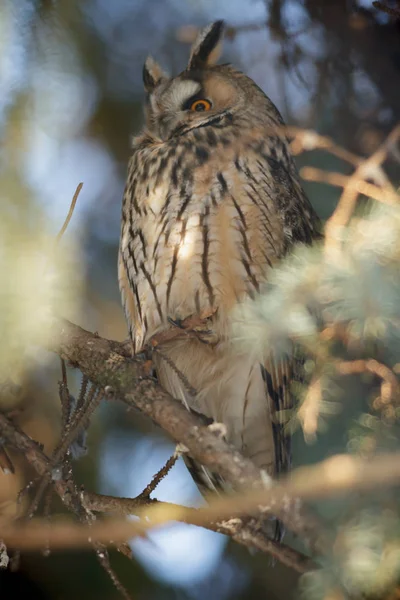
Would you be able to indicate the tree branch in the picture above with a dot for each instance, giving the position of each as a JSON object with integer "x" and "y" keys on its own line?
{"x": 39, "y": 532}
{"x": 107, "y": 363}
{"x": 325, "y": 480}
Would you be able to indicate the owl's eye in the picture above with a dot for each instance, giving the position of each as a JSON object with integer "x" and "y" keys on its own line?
{"x": 200, "y": 105}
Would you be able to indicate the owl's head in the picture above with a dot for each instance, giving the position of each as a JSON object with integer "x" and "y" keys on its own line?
{"x": 202, "y": 95}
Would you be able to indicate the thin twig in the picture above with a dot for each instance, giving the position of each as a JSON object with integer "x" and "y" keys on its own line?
{"x": 70, "y": 212}
{"x": 305, "y": 140}
{"x": 159, "y": 476}
{"x": 83, "y": 503}
{"x": 327, "y": 479}
{"x": 104, "y": 559}
{"x": 71, "y": 432}
{"x": 309, "y": 410}
{"x": 79, "y": 420}
{"x": 390, "y": 387}
{"x": 101, "y": 361}
{"x": 369, "y": 168}
{"x": 384, "y": 195}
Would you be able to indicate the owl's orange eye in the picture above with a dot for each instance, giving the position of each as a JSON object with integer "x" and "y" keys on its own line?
{"x": 200, "y": 105}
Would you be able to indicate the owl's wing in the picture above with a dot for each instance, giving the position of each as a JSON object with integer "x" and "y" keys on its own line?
{"x": 278, "y": 374}
{"x": 281, "y": 181}
{"x": 130, "y": 300}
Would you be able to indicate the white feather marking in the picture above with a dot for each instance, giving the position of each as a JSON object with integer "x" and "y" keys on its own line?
{"x": 181, "y": 91}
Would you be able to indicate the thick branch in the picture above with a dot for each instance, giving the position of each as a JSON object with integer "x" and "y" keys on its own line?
{"x": 331, "y": 477}
{"x": 39, "y": 533}
{"x": 233, "y": 527}
{"x": 68, "y": 534}
{"x": 106, "y": 364}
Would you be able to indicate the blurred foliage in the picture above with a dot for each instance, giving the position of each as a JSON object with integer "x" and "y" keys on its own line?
{"x": 70, "y": 75}
{"x": 342, "y": 311}
{"x": 357, "y": 289}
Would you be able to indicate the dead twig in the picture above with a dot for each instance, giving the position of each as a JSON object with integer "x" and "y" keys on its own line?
{"x": 390, "y": 387}
{"x": 70, "y": 212}
{"x": 387, "y": 196}
{"x": 159, "y": 476}
{"x": 370, "y": 168}
{"x": 327, "y": 479}
{"x": 83, "y": 503}
{"x": 310, "y": 408}
{"x": 99, "y": 359}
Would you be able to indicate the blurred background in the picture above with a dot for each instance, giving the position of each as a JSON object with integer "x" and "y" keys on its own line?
{"x": 71, "y": 98}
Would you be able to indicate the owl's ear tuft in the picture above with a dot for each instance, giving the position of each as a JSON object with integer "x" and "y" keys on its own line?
{"x": 152, "y": 74}
{"x": 206, "y": 42}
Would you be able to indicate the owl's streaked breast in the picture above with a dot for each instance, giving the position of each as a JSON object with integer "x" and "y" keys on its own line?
{"x": 203, "y": 233}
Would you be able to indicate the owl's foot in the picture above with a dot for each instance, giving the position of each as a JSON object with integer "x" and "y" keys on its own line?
{"x": 179, "y": 323}
{"x": 194, "y": 322}
{"x": 196, "y": 326}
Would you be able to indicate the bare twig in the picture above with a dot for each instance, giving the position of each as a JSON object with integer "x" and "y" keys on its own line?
{"x": 159, "y": 476}
{"x": 67, "y": 491}
{"x": 78, "y": 421}
{"x": 104, "y": 560}
{"x": 368, "y": 169}
{"x": 309, "y": 410}
{"x": 331, "y": 477}
{"x": 123, "y": 506}
{"x": 305, "y": 140}
{"x": 233, "y": 528}
{"x": 100, "y": 360}
{"x": 387, "y": 196}
{"x": 390, "y": 387}
{"x": 74, "y": 424}
{"x": 70, "y": 212}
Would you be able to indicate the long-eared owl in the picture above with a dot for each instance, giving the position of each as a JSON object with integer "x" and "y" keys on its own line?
{"x": 212, "y": 202}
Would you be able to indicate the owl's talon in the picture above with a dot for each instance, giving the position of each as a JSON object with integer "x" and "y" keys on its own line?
{"x": 176, "y": 323}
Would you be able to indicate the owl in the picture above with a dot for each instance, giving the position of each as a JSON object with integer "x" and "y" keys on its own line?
{"x": 212, "y": 203}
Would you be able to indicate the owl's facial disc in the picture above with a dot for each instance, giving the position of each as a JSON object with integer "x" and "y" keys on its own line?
{"x": 185, "y": 103}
